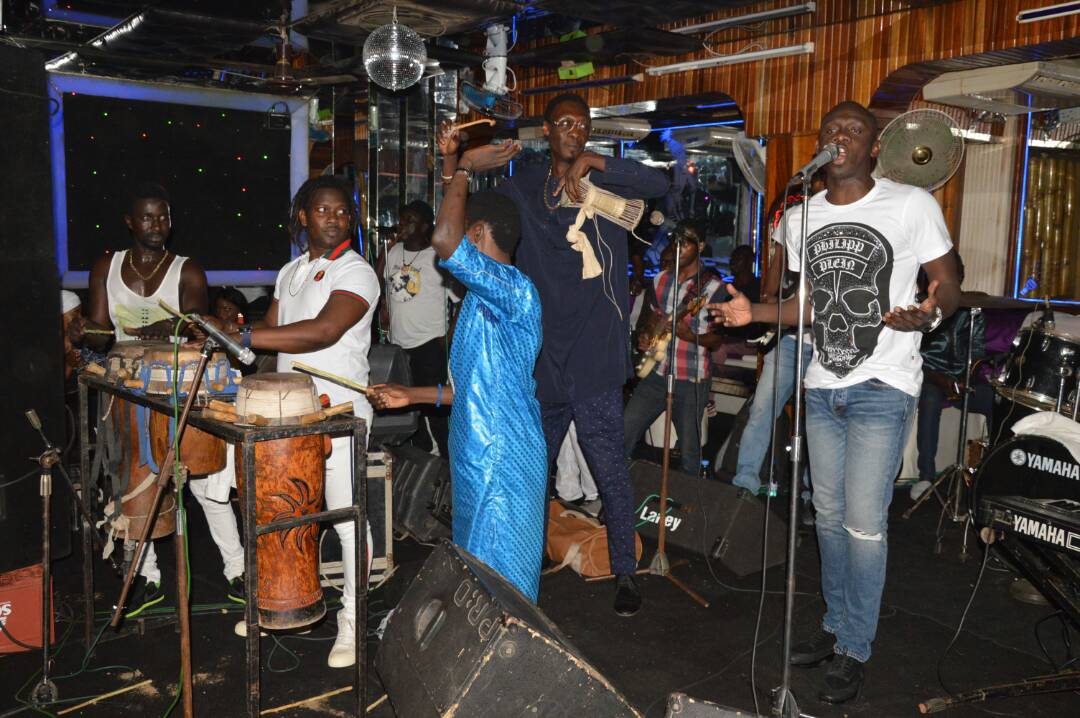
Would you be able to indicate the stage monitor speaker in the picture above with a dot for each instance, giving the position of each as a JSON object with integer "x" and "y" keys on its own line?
{"x": 422, "y": 493}
{"x": 32, "y": 373}
{"x": 681, "y": 705}
{"x": 707, "y": 517}
{"x": 464, "y": 642}
{"x": 390, "y": 364}
{"x": 728, "y": 461}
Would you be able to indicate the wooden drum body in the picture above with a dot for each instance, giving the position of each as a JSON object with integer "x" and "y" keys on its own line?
{"x": 139, "y": 497}
{"x": 200, "y": 452}
{"x": 289, "y": 476}
{"x": 125, "y": 359}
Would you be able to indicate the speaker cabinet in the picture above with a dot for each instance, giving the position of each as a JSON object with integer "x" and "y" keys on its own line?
{"x": 707, "y": 517}
{"x": 32, "y": 373}
{"x": 390, "y": 364}
{"x": 464, "y": 642}
{"x": 422, "y": 494}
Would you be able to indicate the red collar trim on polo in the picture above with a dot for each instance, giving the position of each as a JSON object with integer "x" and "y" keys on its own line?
{"x": 338, "y": 250}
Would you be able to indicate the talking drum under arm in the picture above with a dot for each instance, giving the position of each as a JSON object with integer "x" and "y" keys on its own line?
{"x": 289, "y": 475}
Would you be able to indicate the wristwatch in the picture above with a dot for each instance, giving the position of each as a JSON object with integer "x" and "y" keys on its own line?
{"x": 245, "y": 336}
{"x": 935, "y": 321}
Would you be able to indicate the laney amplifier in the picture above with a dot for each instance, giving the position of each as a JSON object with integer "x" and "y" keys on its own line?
{"x": 707, "y": 517}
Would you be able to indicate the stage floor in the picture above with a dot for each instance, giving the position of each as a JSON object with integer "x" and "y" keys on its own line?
{"x": 671, "y": 644}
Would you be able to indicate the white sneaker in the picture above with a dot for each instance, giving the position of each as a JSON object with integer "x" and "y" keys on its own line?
{"x": 919, "y": 488}
{"x": 240, "y": 629}
{"x": 343, "y": 654}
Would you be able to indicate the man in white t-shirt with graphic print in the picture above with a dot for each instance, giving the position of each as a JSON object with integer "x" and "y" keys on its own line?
{"x": 866, "y": 241}
{"x": 418, "y": 298}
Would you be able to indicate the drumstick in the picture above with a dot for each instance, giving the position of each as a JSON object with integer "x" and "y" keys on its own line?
{"x": 308, "y": 369}
{"x": 170, "y": 310}
{"x": 98, "y": 331}
{"x": 485, "y": 121}
{"x": 324, "y": 414}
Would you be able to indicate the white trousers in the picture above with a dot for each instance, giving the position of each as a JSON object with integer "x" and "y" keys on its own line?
{"x": 223, "y": 529}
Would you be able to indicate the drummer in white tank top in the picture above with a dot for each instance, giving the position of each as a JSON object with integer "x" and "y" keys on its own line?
{"x": 124, "y": 291}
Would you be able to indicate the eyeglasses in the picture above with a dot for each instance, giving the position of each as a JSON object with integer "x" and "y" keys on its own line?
{"x": 566, "y": 124}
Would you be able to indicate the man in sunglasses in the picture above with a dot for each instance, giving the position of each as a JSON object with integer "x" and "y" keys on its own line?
{"x": 585, "y": 357}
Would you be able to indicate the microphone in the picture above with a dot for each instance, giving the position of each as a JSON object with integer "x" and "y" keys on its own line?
{"x": 226, "y": 342}
{"x": 827, "y": 154}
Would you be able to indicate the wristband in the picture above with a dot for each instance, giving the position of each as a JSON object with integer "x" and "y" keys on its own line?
{"x": 245, "y": 336}
{"x": 438, "y": 395}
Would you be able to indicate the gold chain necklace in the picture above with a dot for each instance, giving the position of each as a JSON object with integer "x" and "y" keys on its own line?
{"x": 544, "y": 191}
{"x": 147, "y": 278}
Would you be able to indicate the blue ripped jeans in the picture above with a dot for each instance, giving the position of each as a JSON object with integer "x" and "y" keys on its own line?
{"x": 856, "y": 436}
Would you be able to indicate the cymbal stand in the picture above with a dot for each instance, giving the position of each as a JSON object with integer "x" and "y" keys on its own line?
{"x": 660, "y": 566}
{"x": 161, "y": 485}
{"x": 953, "y": 503}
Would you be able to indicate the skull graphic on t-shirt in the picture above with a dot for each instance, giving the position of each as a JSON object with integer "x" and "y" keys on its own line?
{"x": 848, "y": 266}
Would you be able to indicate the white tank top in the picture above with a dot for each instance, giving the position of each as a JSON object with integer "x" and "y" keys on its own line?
{"x": 128, "y": 309}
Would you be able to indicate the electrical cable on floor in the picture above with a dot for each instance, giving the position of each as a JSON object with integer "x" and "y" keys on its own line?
{"x": 960, "y": 626}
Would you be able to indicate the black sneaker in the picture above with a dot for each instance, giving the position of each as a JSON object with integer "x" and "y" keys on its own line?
{"x": 813, "y": 650}
{"x": 627, "y": 596}
{"x": 235, "y": 590}
{"x": 843, "y": 681}
{"x": 144, "y": 594}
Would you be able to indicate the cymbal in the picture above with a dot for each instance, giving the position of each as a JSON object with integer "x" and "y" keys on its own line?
{"x": 990, "y": 301}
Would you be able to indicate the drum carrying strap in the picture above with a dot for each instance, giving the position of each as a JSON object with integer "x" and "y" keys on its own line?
{"x": 146, "y": 456}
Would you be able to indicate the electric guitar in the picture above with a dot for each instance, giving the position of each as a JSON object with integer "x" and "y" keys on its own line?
{"x": 659, "y": 335}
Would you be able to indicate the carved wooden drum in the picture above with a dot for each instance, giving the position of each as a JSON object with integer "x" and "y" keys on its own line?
{"x": 289, "y": 475}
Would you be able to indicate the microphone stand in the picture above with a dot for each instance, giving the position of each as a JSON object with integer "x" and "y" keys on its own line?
{"x": 784, "y": 703}
{"x": 660, "y": 565}
{"x": 162, "y": 483}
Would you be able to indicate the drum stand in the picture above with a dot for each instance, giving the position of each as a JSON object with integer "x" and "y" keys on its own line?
{"x": 954, "y": 503}
{"x": 161, "y": 485}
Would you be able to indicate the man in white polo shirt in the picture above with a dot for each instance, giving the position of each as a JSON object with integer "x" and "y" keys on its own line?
{"x": 321, "y": 315}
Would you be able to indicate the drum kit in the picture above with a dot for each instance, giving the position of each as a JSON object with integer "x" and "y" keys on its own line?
{"x": 1025, "y": 489}
{"x": 1040, "y": 373}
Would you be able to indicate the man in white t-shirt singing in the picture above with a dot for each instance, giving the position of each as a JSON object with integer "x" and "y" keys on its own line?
{"x": 866, "y": 240}
{"x": 418, "y": 298}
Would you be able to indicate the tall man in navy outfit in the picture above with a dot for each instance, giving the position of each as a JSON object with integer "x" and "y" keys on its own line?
{"x": 585, "y": 357}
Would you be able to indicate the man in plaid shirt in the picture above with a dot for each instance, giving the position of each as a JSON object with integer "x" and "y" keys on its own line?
{"x": 693, "y": 342}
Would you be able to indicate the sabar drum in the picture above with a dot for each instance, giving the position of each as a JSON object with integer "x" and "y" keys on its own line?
{"x": 289, "y": 475}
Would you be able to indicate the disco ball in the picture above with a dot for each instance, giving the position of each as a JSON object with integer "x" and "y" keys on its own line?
{"x": 394, "y": 56}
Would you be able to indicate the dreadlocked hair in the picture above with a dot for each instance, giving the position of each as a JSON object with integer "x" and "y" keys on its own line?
{"x": 302, "y": 200}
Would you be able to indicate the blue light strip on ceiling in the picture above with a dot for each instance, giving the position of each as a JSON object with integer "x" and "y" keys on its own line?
{"x": 1023, "y": 201}
{"x": 718, "y": 104}
{"x": 699, "y": 124}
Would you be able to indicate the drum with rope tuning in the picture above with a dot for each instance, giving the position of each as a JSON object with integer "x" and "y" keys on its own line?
{"x": 161, "y": 366}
